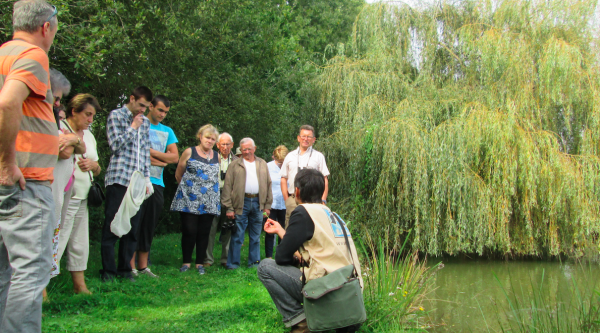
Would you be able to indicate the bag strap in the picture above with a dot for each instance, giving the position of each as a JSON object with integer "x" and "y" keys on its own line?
{"x": 343, "y": 226}
{"x": 83, "y": 155}
{"x": 66, "y": 123}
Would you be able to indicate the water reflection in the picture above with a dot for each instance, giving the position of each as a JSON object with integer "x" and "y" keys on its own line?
{"x": 468, "y": 297}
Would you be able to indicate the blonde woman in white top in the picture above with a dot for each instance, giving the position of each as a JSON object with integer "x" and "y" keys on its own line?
{"x": 74, "y": 234}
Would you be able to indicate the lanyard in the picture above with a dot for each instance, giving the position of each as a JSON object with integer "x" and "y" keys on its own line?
{"x": 309, "y": 156}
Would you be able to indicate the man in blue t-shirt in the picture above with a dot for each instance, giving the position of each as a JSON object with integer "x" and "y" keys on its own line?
{"x": 163, "y": 151}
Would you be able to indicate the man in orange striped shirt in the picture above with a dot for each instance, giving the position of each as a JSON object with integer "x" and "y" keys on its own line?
{"x": 28, "y": 152}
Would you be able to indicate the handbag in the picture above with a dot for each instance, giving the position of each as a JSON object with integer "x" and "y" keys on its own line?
{"x": 334, "y": 300}
{"x": 96, "y": 194}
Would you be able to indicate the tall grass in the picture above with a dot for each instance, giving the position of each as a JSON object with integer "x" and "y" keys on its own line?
{"x": 395, "y": 286}
{"x": 531, "y": 310}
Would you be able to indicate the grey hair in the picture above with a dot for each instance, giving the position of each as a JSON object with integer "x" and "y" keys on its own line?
{"x": 30, "y": 15}
{"x": 225, "y": 134}
{"x": 244, "y": 140}
{"x": 59, "y": 82}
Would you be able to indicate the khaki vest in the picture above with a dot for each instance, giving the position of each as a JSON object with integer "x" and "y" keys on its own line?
{"x": 327, "y": 250}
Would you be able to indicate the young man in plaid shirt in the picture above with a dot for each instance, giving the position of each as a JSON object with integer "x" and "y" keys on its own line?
{"x": 122, "y": 128}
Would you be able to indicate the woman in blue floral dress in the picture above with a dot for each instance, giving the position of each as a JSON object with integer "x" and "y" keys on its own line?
{"x": 197, "y": 197}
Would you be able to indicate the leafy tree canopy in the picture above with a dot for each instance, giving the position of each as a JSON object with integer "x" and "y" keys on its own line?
{"x": 236, "y": 64}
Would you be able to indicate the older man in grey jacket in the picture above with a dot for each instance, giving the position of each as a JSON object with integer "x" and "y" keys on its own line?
{"x": 246, "y": 194}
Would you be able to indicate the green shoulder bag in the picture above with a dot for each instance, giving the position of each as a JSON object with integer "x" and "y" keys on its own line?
{"x": 334, "y": 300}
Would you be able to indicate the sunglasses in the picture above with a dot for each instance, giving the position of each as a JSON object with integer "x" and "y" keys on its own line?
{"x": 51, "y": 16}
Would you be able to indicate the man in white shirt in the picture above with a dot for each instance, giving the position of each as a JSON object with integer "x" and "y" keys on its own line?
{"x": 303, "y": 157}
{"x": 246, "y": 195}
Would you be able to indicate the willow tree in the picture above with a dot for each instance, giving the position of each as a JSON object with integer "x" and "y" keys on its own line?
{"x": 474, "y": 124}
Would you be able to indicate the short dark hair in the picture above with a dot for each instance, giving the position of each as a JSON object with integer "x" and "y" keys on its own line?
{"x": 80, "y": 102}
{"x": 161, "y": 98}
{"x": 311, "y": 184}
{"x": 142, "y": 91}
{"x": 307, "y": 128}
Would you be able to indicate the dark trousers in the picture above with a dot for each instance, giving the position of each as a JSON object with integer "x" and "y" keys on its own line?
{"x": 279, "y": 216}
{"x": 149, "y": 214}
{"x": 195, "y": 230}
{"x": 127, "y": 243}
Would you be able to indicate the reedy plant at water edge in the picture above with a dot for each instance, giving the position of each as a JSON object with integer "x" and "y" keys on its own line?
{"x": 396, "y": 283}
{"x": 533, "y": 310}
{"x": 476, "y": 125}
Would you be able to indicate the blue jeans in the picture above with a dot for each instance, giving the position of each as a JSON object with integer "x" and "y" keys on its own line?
{"x": 284, "y": 284}
{"x": 26, "y": 228}
{"x": 251, "y": 218}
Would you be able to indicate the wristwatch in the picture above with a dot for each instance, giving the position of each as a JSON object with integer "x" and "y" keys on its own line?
{"x": 324, "y": 201}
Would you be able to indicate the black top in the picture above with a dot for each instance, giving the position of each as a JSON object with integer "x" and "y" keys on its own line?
{"x": 300, "y": 229}
{"x": 198, "y": 157}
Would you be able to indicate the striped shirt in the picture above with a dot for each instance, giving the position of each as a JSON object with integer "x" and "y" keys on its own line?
{"x": 123, "y": 142}
{"x": 37, "y": 140}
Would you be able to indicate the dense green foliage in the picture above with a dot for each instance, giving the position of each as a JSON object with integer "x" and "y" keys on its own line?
{"x": 236, "y": 64}
{"x": 475, "y": 124}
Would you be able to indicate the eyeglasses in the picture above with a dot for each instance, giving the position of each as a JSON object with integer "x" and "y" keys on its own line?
{"x": 226, "y": 144}
{"x": 51, "y": 16}
{"x": 304, "y": 137}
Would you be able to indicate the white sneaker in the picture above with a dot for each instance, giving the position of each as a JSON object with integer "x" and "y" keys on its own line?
{"x": 134, "y": 272}
{"x": 147, "y": 271}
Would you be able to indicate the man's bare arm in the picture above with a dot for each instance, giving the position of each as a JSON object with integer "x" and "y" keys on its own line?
{"x": 68, "y": 144}
{"x": 157, "y": 162}
{"x": 326, "y": 192}
{"x": 284, "y": 188}
{"x": 12, "y": 96}
{"x": 169, "y": 157}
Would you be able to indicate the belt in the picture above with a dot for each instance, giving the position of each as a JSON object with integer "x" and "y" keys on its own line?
{"x": 248, "y": 195}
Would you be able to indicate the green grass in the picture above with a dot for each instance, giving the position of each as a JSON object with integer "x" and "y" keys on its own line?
{"x": 219, "y": 301}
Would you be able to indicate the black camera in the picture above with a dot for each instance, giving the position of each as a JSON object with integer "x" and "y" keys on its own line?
{"x": 223, "y": 173}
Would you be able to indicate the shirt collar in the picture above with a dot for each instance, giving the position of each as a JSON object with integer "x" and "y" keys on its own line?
{"x": 307, "y": 150}
{"x": 126, "y": 111}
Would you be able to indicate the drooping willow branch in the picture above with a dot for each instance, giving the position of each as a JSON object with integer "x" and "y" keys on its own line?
{"x": 475, "y": 126}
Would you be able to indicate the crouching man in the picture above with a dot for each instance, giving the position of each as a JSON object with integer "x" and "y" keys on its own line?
{"x": 312, "y": 236}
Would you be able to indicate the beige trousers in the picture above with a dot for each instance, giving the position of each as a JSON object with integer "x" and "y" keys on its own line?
{"x": 74, "y": 236}
{"x": 290, "y": 205}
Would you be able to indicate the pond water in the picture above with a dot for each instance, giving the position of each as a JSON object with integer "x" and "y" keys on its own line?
{"x": 469, "y": 298}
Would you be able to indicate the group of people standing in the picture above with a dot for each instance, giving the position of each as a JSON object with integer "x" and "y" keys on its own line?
{"x": 48, "y": 159}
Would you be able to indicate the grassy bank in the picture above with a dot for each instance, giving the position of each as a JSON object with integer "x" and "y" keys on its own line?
{"x": 220, "y": 301}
